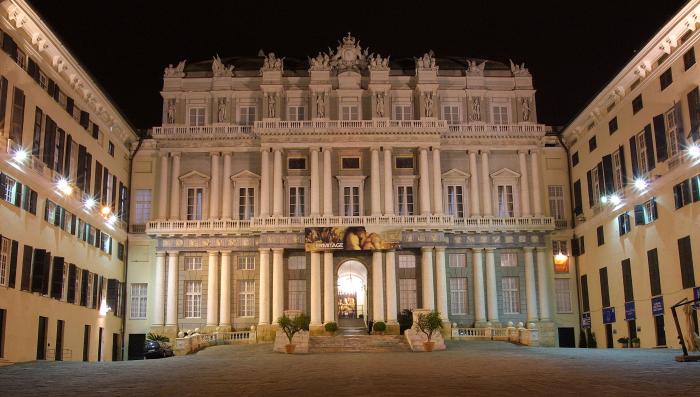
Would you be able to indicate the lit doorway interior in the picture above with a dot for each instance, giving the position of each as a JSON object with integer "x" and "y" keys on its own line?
{"x": 352, "y": 291}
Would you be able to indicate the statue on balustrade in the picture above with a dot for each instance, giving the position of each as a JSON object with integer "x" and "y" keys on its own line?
{"x": 379, "y": 108}
{"x": 428, "y": 103}
{"x": 221, "y": 110}
{"x": 525, "y": 103}
{"x": 171, "y": 111}
{"x": 271, "y": 104}
{"x": 476, "y": 109}
{"x": 320, "y": 104}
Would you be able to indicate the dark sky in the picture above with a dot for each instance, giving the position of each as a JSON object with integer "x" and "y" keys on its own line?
{"x": 572, "y": 48}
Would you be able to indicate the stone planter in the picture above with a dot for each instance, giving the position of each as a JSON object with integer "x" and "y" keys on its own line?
{"x": 377, "y": 332}
{"x": 289, "y": 348}
{"x": 428, "y": 346}
{"x": 635, "y": 344}
{"x": 330, "y": 333}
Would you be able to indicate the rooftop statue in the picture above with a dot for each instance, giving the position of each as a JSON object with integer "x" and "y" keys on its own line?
{"x": 219, "y": 69}
{"x": 519, "y": 70}
{"x": 177, "y": 71}
{"x": 376, "y": 62}
{"x": 474, "y": 68}
{"x": 348, "y": 55}
{"x": 321, "y": 62}
{"x": 271, "y": 62}
{"x": 426, "y": 62}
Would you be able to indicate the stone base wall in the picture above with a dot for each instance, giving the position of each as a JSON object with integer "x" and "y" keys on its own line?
{"x": 301, "y": 340}
{"x": 415, "y": 340}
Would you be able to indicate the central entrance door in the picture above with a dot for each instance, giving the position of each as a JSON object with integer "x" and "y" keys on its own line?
{"x": 351, "y": 300}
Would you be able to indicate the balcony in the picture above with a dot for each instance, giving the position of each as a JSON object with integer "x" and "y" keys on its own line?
{"x": 183, "y": 132}
{"x": 341, "y": 127}
{"x": 296, "y": 224}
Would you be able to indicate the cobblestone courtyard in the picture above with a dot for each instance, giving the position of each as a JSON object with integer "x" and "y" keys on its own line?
{"x": 487, "y": 368}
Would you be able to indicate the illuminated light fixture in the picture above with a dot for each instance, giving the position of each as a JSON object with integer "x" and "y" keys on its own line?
{"x": 604, "y": 199}
{"x": 694, "y": 151}
{"x": 64, "y": 187}
{"x": 560, "y": 259}
{"x": 20, "y": 156}
{"x": 640, "y": 183}
{"x": 112, "y": 219}
{"x": 105, "y": 210}
{"x": 104, "y": 308}
{"x": 615, "y": 199}
{"x": 89, "y": 203}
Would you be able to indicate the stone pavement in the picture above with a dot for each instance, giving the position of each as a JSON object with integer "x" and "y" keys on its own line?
{"x": 465, "y": 368}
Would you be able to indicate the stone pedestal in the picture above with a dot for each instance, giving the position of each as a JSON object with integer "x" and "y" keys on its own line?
{"x": 316, "y": 330}
{"x": 393, "y": 329}
{"x": 267, "y": 332}
{"x": 300, "y": 339}
{"x": 547, "y": 333}
{"x": 416, "y": 338}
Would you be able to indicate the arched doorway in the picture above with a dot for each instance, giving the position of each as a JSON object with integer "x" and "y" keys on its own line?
{"x": 351, "y": 299}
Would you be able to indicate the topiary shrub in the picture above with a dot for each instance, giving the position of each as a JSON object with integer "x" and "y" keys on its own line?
{"x": 331, "y": 326}
{"x": 429, "y": 323}
{"x": 379, "y": 326}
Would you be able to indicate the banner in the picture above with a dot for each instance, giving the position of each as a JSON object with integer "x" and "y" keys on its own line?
{"x": 696, "y": 295}
{"x": 657, "y": 306}
{"x": 586, "y": 320}
{"x": 354, "y": 238}
{"x": 630, "y": 312}
{"x": 608, "y": 315}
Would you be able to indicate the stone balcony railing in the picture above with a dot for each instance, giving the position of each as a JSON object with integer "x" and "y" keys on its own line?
{"x": 384, "y": 126}
{"x": 230, "y": 131}
{"x": 421, "y": 222}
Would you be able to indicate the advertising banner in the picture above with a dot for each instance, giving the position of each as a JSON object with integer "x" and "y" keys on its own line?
{"x": 355, "y": 238}
{"x": 657, "y": 306}
{"x": 630, "y": 313}
{"x": 586, "y": 320}
{"x": 608, "y": 315}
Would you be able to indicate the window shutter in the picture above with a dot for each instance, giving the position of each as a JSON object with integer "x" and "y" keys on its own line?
{"x": 695, "y": 187}
{"x": 608, "y": 172}
{"x": 32, "y": 69}
{"x": 623, "y": 166}
{"x": 13, "y": 264}
{"x": 654, "y": 278}
{"x": 627, "y": 280}
{"x": 633, "y": 157}
{"x": 694, "y": 112}
{"x": 95, "y": 131}
{"x": 620, "y": 225}
{"x": 57, "y": 278}
{"x": 604, "y": 288}
{"x": 84, "y": 119}
{"x": 680, "y": 130}
{"x": 66, "y": 164}
{"x": 660, "y": 136}
{"x": 84, "y": 287}
{"x": 590, "y": 188}
{"x": 60, "y": 146}
{"x": 46, "y": 269}
{"x": 88, "y": 171}
{"x": 685, "y": 255}
{"x": 578, "y": 203}
{"x": 69, "y": 105}
{"x": 27, "y": 252}
{"x": 639, "y": 214}
{"x": 98, "y": 182}
{"x": 575, "y": 250}
{"x": 584, "y": 293}
{"x": 654, "y": 211}
{"x": 114, "y": 192}
{"x": 95, "y": 303}
{"x": 678, "y": 195}
{"x": 649, "y": 140}
{"x": 601, "y": 180}
{"x": 70, "y": 294}
{"x": 37, "y": 274}
{"x": 18, "y": 195}
{"x": 51, "y": 88}
{"x": 80, "y": 177}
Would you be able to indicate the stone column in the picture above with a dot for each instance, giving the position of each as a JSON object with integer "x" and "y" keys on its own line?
{"x": 427, "y": 275}
{"x": 543, "y": 283}
{"x": 264, "y": 307}
{"x": 478, "y": 269}
{"x": 327, "y": 183}
{"x": 212, "y": 289}
{"x": 486, "y": 184}
{"x": 391, "y": 307}
{"x": 524, "y": 185}
{"x": 225, "y": 297}
{"x": 536, "y": 201}
{"x": 441, "y": 275}
{"x": 264, "y": 183}
{"x": 328, "y": 288}
{"x": 530, "y": 288}
{"x": 316, "y": 289}
{"x": 214, "y": 187}
{"x": 315, "y": 185}
{"x": 163, "y": 188}
{"x": 424, "y": 182}
{"x": 388, "y": 183}
{"x": 277, "y": 283}
{"x": 474, "y": 184}
{"x": 175, "y": 188}
{"x": 171, "y": 311}
{"x": 491, "y": 291}
{"x": 158, "y": 304}
{"x": 437, "y": 182}
{"x": 375, "y": 194}
{"x": 226, "y": 188}
{"x": 377, "y": 287}
{"x": 277, "y": 193}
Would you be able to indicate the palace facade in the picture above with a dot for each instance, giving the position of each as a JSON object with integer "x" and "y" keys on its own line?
{"x": 457, "y": 198}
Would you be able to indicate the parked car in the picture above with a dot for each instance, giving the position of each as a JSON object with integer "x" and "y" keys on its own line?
{"x": 157, "y": 349}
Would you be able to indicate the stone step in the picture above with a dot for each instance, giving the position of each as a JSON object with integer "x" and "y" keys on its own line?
{"x": 357, "y": 343}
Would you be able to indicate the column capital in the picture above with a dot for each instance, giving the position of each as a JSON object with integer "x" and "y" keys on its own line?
{"x": 160, "y": 253}
{"x": 314, "y": 148}
{"x": 214, "y": 154}
{"x": 387, "y": 148}
{"x": 440, "y": 249}
{"x": 227, "y": 153}
{"x": 484, "y": 152}
{"x": 277, "y": 249}
{"x": 226, "y": 253}
{"x": 175, "y": 154}
{"x": 266, "y": 149}
{"x": 424, "y": 249}
{"x": 264, "y": 250}
{"x": 327, "y": 149}
{"x": 213, "y": 252}
{"x": 423, "y": 147}
{"x": 489, "y": 249}
{"x": 528, "y": 249}
{"x": 477, "y": 249}
{"x": 173, "y": 253}
{"x": 523, "y": 152}
{"x": 435, "y": 148}
{"x": 541, "y": 249}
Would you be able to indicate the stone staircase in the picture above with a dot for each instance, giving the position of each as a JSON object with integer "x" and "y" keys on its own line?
{"x": 358, "y": 343}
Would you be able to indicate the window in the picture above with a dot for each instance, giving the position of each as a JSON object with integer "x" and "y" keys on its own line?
{"x": 110, "y": 148}
{"x": 350, "y": 112}
{"x": 297, "y": 262}
{"x": 627, "y": 280}
{"x": 139, "y": 295}
{"x": 350, "y": 163}
{"x": 556, "y": 201}
{"x": 247, "y": 298}
{"x": 642, "y": 156}
{"x": 247, "y": 115}
{"x": 574, "y": 159}
{"x": 689, "y": 58}
{"x": 509, "y": 259}
{"x": 195, "y": 200}
{"x": 455, "y": 201}
{"x": 562, "y": 288}
{"x": 246, "y": 203}
{"x": 246, "y": 262}
{"x": 666, "y": 79}
{"x": 592, "y": 144}
{"x": 197, "y": 115}
{"x": 43, "y": 80}
{"x": 559, "y": 247}
{"x": 403, "y": 112}
{"x": 296, "y": 201}
{"x": 623, "y": 224}
{"x": 672, "y": 132}
{"x": 685, "y": 256}
{"x": 403, "y": 162}
{"x": 408, "y": 298}
{"x": 584, "y": 294}
{"x": 297, "y": 295}
{"x": 407, "y": 262}
{"x": 612, "y": 125}
{"x": 142, "y": 206}
{"x": 193, "y": 299}
{"x": 17, "y": 120}
{"x": 405, "y": 200}
{"x": 193, "y": 263}
{"x": 600, "y": 232}
{"x": 11, "y": 189}
{"x": 351, "y": 201}
{"x": 637, "y": 104}
{"x": 618, "y": 170}
{"x": 295, "y": 113}
{"x": 451, "y": 114}
{"x": 682, "y": 194}
{"x": 505, "y": 200}
{"x": 456, "y": 260}
{"x": 296, "y": 163}
{"x": 499, "y": 114}
{"x": 458, "y": 295}
{"x": 646, "y": 212}
{"x": 5, "y": 245}
{"x": 654, "y": 275}
{"x": 511, "y": 295}
{"x": 604, "y": 287}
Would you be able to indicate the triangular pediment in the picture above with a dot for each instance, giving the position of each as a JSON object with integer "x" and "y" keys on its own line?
{"x": 194, "y": 176}
{"x": 505, "y": 173}
{"x": 245, "y": 174}
{"x": 455, "y": 174}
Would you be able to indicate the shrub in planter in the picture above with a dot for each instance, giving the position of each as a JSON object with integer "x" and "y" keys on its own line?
{"x": 428, "y": 324}
{"x": 379, "y": 327}
{"x": 624, "y": 341}
{"x": 405, "y": 320}
{"x": 634, "y": 342}
{"x": 157, "y": 337}
{"x": 291, "y": 326}
{"x": 331, "y": 327}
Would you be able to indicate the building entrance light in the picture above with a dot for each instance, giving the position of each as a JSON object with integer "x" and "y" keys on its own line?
{"x": 560, "y": 258}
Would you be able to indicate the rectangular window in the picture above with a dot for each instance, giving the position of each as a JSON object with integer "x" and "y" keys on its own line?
{"x": 627, "y": 280}
{"x": 682, "y": 194}
{"x": 110, "y": 148}
{"x": 654, "y": 275}
{"x": 559, "y": 247}
{"x": 193, "y": 263}
{"x": 645, "y": 213}
{"x": 666, "y": 79}
{"x": 247, "y": 115}
{"x": 618, "y": 164}
{"x": 297, "y": 295}
{"x": 451, "y": 114}
{"x": 246, "y": 203}
{"x": 456, "y": 260}
{"x": 139, "y": 294}
{"x": 689, "y": 58}
{"x": 505, "y": 200}
{"x": 246, "y": 298}
{"x": 574, "y": 159}
{"x": 5, "y": 245}
{"x": 142, "y": 206}
{"x": 509, "y": 259}
{"x": 623, "y": 224}
{"x": 637, "y": 104}
{"x": 556, "y": 201}
{"x": 195, "y": 200}
{"x": 405, "y": 200}
{"x": 592, "y": 144}
{"x": 672, "y": 133}
{"x": 578, "y": 200}
{"x": 604, "y": 287}
{"x": 350, "y": 112}
{"x": 36, "y": 140}
{"x": 407, "y": 262}
{"x": 594, "y": 186}
{"x": 246, "y": 262}
{"x": 350, "y": 163}
{"x": 197, "y": 116}
{"x": 499, "y": 114}
{"x": 511, "y": 295}
{"x": 584, "y": 294}
{"x": 296, "y": 163}
{"x": 296, "y": 201}
{"x": 612, "y": 125}
{"x": 562, "y": 288}
{"x": 295, "y": 113}
{"x": 455, "y": 201}
{"x": 11, "y": 189}
{"x": 403, "y": 112}
{"x": 193, "y": 299}
{"x": 458, "y": 295}
{"x": 297, "y": 262}
{"x": 600, "y": 232}
{"x": 408, "y": 297}
{"x": 17, "y": 120}
{"x": 351, "y": 201}
{"x": 642, "y": 156}
{"x": 685, "y": 256}
{"x": 403, "y": 162}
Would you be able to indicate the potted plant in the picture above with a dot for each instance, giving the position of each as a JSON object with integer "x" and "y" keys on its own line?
{"x": 428, "y": 324}
{"x": 379, "y": 327}
{"x": 634, "y": 342}
{"x": 291, "y": 326}
{"x": 624, "y": 341}
{"x": 331, "y": 327}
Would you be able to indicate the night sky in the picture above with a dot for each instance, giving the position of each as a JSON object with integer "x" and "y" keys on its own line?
{"x": 571, "y": 48}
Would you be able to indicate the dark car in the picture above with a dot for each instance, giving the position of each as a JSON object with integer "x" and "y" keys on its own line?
{"x": 157, "y": 349}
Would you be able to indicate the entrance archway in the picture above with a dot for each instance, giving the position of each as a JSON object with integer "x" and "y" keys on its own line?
{"x": 351, "y": 300}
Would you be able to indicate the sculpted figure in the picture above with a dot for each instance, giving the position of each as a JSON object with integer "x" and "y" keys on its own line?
{"x": 171, "y": 111}
{"x": 222, "y": 110}
{"x": 526, "y": 108}
{"x": 476, "y": 108}
{"x": 428, "y": 103}
{"x": 271, "y": 104}
{"x": 379, "y": 104}
{"x": 320, "y": 104}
